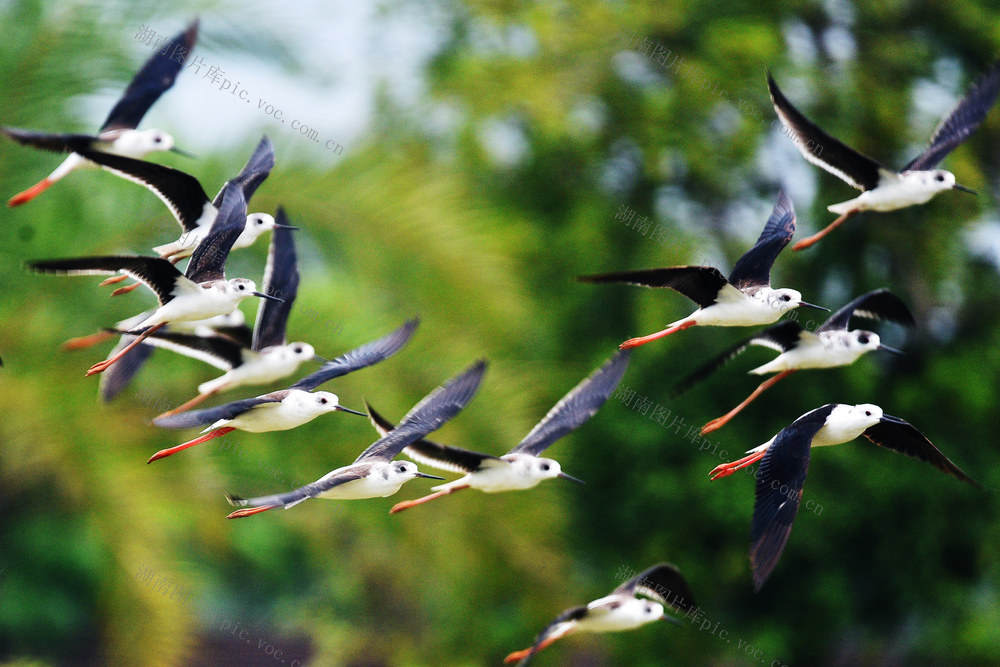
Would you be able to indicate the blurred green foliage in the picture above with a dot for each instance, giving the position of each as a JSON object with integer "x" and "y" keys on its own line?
{"x": 557, "y": 122}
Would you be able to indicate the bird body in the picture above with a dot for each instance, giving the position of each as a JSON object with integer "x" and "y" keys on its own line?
{"x": 268, "y": 365}
{"x": 510, "y": 472}
{"x": 896, "y": 191}
{"x": 290, "y": 408}
{"x": 826, "y": 349}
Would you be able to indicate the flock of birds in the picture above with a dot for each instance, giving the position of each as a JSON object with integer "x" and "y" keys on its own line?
{"x": 198, "y": 316}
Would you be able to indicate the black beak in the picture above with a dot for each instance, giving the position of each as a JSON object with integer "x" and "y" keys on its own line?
{"x": 962, "y": 188}
{"x": 353, "y": 412}
{"x": 184, "y": 153}
{"x": 423, "y": 474}
{"x": 886, "y": 348}
{"x": 285, "y": 227}
{"x": 319, "y": 359}
{"x": 670, "y": 619}
{"x": 813, "y": 305}
{"x": 268, "y": 296}
{"x": 572, "y": 479}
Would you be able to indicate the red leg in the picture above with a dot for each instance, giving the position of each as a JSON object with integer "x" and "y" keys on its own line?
{"x": 190, "y": 443}
{"x": 29, "y": 194}
{"x": 724, "y": 419}
{"x": 727, "y": 469}
{"x": 250, "y": 511}
{"x": 522, "y": 654}
{"x": 810, "y": 240}
{"x": 407, "y": 504}
{"x": 112, "y": 280}
{"x": 190, "y": 404}
{"x": 86, "y": 341}
{"x": 108, "y": 363}
{"x": 642, "y": 340}
{"x": 126, "y": 289}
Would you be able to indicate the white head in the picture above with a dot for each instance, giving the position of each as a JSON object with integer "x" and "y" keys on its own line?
{"x": 138, "y": 143}
{"x": 257, "y": 224}
{"x": 646, "y": 611}
{"x": 315, "y": 403}
{"x": 854, "y": 418}
{"x": 937, "y": 180}
{"x": 538, "y": 468}
{"x": 784, "y": 299}
{"x": 295, "y": 352}
{"x": 399, "y": 472}
{"x": 240, "y": 288}
{"x": 867, "y": 341}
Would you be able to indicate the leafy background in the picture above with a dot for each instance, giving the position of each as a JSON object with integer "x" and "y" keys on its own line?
{"x": 488, "y": 161}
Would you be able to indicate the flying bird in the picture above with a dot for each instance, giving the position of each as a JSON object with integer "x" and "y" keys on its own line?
{"x": 786, "y": 460}
{"x": 287, "y": 408}
{"x": 660, "y": 586}
{"x": 882, "y": 188}
{"x": 267, "y": 356}
{"x": 831, "y": 345}
{"x": 118, "y": 134}
{"x": 374, "y": 474}
{"x": 200, "y": 293}
{"x": 746, "y": 299}
{"x": 523, "y": 467}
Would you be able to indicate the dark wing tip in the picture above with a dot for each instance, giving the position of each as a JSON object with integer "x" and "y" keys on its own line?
{"x": 235, "y": 501}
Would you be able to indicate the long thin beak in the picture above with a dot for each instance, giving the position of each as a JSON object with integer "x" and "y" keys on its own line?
{"x": 572, "y": 479}
{"x": 353, "y": 412}
{"x": 886, "y": 348}
{"x": 268, "y": 296}
{"x": 423, "y": 474}
{"x": 670, "y": 619}
{"x": 184, "y": 153}
{"x": 319, "y": 359}
{"x": 962, "y": 188}
{"x": 813, "y": 305}
{"x": 285, "y": 227}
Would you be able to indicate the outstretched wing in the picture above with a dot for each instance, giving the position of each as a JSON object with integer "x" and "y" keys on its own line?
{"x": 209, "y": 259}
{"x": 55, "y": 142}
{"x": 442, "y": 457}
{"x": 821, "y": 149}
{"x": 157, "y": 274}
{"x": 292, "y": 498}
{"x": 281, "y": 279}
{"x": 778, "y": 491}
{"x": 193, "y": 418}
{"x": 901, "y": 436}
{"x": 662, "y": 582}
{"x": 754, "y": 267}
{"x": 429, "y": 414}
{"x": 361, "y": 357}
{"x": 576, "y": 407}
{"x": 701, "y": 284}
{"x": 155, "y": 77}
{"x": 961, "y": 121}
{"x": 880, "y": 304}
{"x": 257, "y": 168}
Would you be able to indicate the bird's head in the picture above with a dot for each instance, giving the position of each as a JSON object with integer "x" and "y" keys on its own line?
{"x": 855, "y": 417}
{"x": 147, "y": 141}
{"x": 787, "y": 299}
{"x": 542, "y": 468}
{"x": 868, "y": 341}
{"x": 404, "y": 471}
{"x": 939, "y": 180}
{"x": 258, "y": 223}
{"x": 238, "y": 287}
{"x": 297, "y": 352}
{"x": 319, "y": 402}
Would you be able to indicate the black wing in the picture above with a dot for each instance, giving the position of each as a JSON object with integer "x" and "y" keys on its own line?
{"x": 663, "y": 583}
{"x": 208, "y": 260}
{"x": 155, "y": 77}
{"x": 257, "y": 168}
{"x": 181, "y": 192}
{"x": 442, "y": 457}
{"x": 291, "y": 498}
{"x": 281, "y": 279}
{"x": 157, "y": 274}
{"x": 880, "y": 304}
{"x": 231, "y": 410}
{"x": 961, "y": 121}
{"x": 118, "y": 376}
{"x": 901, "y": 436}
{"x": 823, "y": 150}
{"x": 754, "y": 267}
{"x": 779, "y": 491}
{"x": 429, "y": 414}
{"x": 220, "y": 351}
{"x": 360, "y": 357}
{"x": 781, "y": 337}
{"x": 576, "y": 407}
{"x": 57, "y": 143}
{"x": 701, "y": 284}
